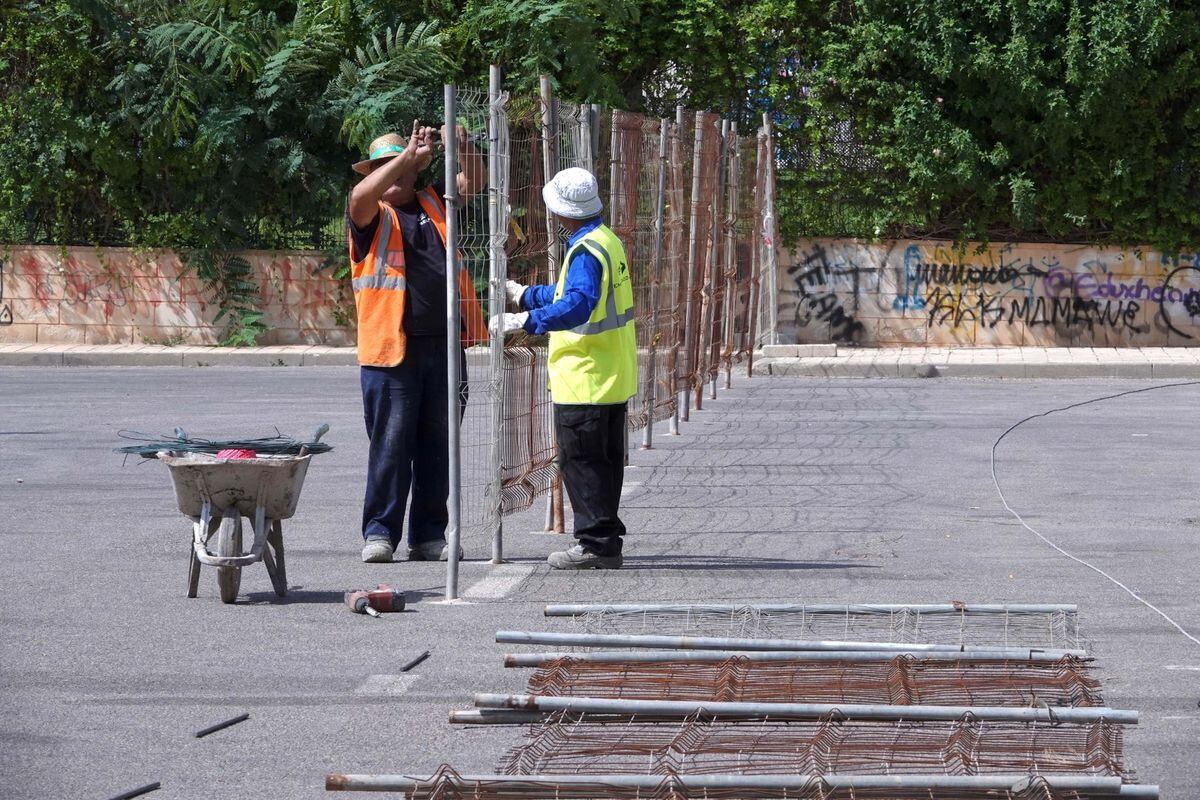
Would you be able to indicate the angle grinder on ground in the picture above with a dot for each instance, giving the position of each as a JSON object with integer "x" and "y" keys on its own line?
{"x": 375, "y": 602}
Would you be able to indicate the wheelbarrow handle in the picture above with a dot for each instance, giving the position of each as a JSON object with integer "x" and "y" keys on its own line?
{"x": 320, "y": 431}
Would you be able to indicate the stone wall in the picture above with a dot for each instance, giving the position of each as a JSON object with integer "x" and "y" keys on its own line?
{"x": 912, "y": 293}
{"x": 82, "y": 295}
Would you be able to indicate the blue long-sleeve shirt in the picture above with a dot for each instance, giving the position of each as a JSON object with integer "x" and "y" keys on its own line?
{"x": 581, "y": 291}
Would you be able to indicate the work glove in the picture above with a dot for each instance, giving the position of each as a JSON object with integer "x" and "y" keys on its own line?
{"x": 514, "y": 291}
{"x": 508, "y": 323}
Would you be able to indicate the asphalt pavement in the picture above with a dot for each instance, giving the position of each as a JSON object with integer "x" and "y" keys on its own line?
{"x": 782, "y": 489}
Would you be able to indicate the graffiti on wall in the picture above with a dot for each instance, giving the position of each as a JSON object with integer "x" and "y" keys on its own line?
{"x": 1012, "y": 294}
{"x": 6, "y": 315}
{"x": 118, "y": 295}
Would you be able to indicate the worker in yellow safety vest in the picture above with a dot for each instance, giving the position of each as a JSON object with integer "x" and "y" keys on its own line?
{"x": 397, "y": 240}
{"x": 592, "y": 365}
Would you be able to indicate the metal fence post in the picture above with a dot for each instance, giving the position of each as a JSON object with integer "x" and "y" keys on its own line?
{"x": 772, "y": 294}
{"x": 709, "y": 340}
{"x": 497, "y": 272}
{"x": 689, "y": 308}
{"x": 453, "y": 344}
{"x": 554, "y": 501}
{"x": 731, "y": 261}
{"x": 655, "y": 276}
{"x": 753, "y": 303}
{"x": 677, "y": 340}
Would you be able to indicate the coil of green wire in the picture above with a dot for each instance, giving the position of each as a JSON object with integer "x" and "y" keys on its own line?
{"x": 277, "y": 445}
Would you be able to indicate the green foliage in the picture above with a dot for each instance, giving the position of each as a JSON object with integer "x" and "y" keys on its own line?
{"x": 1048, "y": 119}
{"x": 210, "y": 126}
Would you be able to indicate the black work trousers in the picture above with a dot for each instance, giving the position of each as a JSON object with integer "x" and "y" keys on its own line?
{"x": 591, "y": 455}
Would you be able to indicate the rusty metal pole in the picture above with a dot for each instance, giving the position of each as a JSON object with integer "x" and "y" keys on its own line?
{"x": 709, "y": 341}
{"x": 655, "y": 276}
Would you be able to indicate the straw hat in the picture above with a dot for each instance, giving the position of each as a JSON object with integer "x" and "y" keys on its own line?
{"x": 573, "y": 194}
{"x": 384, "y": 148}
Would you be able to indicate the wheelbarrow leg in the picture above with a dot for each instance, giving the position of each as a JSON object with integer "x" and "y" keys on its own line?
{"x": 193, "y": 566}
{"x": 202, "y": 529}
{"x": 276, "y": 567}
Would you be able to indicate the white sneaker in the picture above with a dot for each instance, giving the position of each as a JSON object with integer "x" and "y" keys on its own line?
{"x": 377, "y": 551}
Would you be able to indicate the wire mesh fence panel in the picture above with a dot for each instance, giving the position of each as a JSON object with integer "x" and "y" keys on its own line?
{"x": 482, "y": 382}
{"x": 1057, "y": 628}
{"x": 968, "y": 746}
{"x": 632, "y": 211}
{"x": 446, "y": 783}
{"x": 527, "y": 466}
{"x": 904, "y": 680}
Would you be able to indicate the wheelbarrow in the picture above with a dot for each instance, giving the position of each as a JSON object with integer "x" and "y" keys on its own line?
{"x": 216, "y": 493}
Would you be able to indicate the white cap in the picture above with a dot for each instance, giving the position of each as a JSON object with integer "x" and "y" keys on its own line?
{"x": 573, "y": 194}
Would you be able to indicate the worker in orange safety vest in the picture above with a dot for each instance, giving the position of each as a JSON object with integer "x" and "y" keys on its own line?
{"x": 397, "y": 241}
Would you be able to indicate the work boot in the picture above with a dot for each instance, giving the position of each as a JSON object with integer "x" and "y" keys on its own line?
{"x": 377, "y": 551}
{"x": 437, "y": 550}
{"x": 578, "y": 558}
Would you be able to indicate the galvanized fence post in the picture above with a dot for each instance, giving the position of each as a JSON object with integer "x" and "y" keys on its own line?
{"x": 769, "y": 223}
{"x": 677, "y": 355}
{"x": 453, "y": 344}
{"x": 731, "y": 205}
{"x": 753, "y": 310}
{"x": 497, "y": 273}
{"x": 554, "y": 500}
{"x": 660, "y": 203}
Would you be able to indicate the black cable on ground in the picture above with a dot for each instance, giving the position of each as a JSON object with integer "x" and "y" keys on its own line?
{"x": 1038, "y": 534}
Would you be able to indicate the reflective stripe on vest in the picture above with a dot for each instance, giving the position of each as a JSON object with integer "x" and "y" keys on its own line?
{"x": 612, "y": 319}
{"x": 379, "y": 279}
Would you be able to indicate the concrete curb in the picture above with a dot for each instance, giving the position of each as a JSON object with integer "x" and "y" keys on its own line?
{"x": 793, "y": 361}
{"x": 905, "y": 368}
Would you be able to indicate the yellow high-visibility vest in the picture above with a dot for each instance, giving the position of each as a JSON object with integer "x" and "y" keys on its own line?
{"x": 596, "y": 363}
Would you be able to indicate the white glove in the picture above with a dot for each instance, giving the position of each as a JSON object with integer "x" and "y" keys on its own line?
{"x": 514, "y": 291}
{"x": 508, "y": 323}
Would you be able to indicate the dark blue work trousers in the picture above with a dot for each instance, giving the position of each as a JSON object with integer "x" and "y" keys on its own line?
{"x": 405, "y": 411}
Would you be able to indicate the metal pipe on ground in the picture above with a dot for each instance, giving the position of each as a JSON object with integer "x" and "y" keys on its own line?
{"x": 513, "y": 783}
{"x": 579, "y": 609}
{"x": 720, "y": 643}
{"x": 517, "y": 660}
{"x": 683, "y": 708}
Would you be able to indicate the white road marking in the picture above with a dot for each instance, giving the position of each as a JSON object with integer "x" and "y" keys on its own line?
{"x": 1183, "y": 667}
{"x": 625, "y": 487}
{"x": 386, "y": 685}
{"x": 499, "y": 582}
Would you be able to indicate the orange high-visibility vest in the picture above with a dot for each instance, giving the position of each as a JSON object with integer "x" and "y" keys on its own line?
{"x": 379, "y": 288}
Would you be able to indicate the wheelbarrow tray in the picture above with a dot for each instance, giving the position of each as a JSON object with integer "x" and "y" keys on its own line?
{"x": 274, "y": 482}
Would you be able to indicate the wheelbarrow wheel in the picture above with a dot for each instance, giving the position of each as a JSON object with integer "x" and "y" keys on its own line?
{"x": 229, "y": 543}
